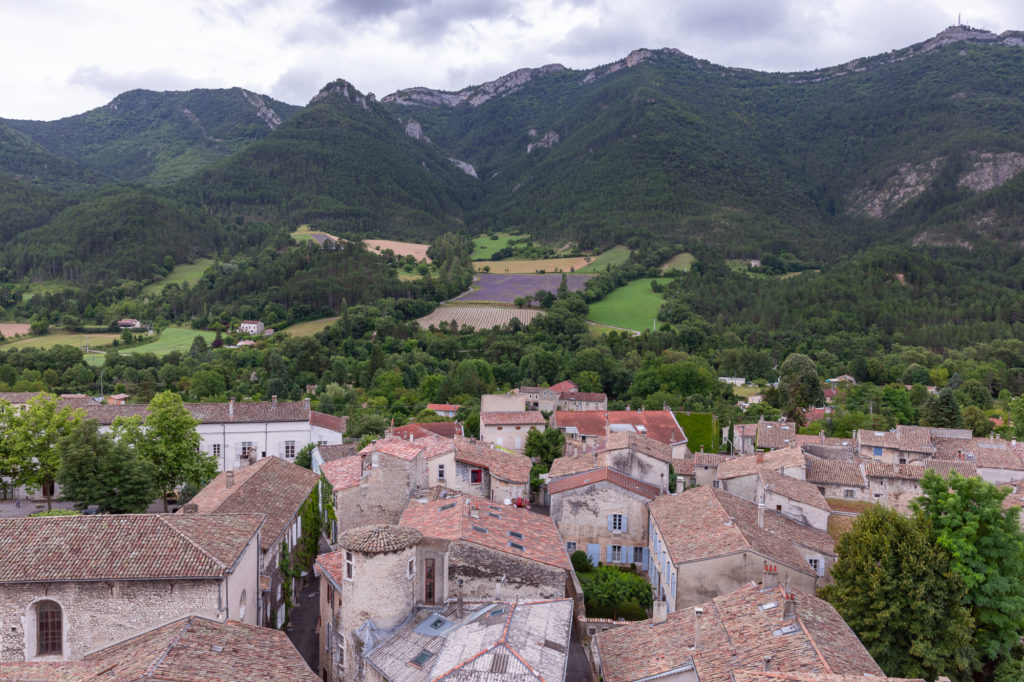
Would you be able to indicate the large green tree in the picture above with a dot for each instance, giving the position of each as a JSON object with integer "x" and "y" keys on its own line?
{"x": 896, "y": 587}
{"x": 943, "y": 411}
{"x": 169, "y": 440}
{"x": 799, "y": 385}
{"x": 30, "y": 436}
{"x": 609, "y": 587}
{"x": 98, "y": 470}
{"x": 968, "y": 520}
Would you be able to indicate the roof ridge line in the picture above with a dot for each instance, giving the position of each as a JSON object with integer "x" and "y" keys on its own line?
{"x": 166, "y": 650}
{"x": 192, "y": 542}
{"x": 715, "y": 494}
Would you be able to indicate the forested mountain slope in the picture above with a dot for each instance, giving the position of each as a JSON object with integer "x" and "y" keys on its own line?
{"x": 160, "y": 137}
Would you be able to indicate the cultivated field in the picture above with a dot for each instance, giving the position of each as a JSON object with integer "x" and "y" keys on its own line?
{"x": 311, "y": 327}
{"x": 59, "y": 337}
{"x": 507, "y": 288}
{"x": 186, "y": 272}
{"x": 527, "y": 267}
{"x": 680, "y": 261}
{"x": 418, "y": 251}
{"x": 479, "y": 317}
{"x": 634, "y": 306}
{"x": 613, "y": 256}
{"x": 9, "y": 329}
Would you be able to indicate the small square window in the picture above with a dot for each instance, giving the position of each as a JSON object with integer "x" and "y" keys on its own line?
{"x": 476, "y": 475}
{"x": 570, "y": 547}
{"x": 848, "y": 493}
{"x": 440, "y": 472}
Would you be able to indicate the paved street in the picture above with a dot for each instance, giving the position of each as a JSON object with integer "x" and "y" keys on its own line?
{"x": 301, "y": 628}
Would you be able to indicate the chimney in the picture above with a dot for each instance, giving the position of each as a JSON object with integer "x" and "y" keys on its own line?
{"x": 767, "y": 662}
{"x": 760, "y": 514}
{"x": 229, "y": 479}
{"x": 190, "y": 508}
{"x": 759, "y": 458}
{"x": 305, "y": 403}
{"x": 822, "y": 434}
{"x": 659, "y": 612}
{"x": 459, "y": 610}
{"x": 698, "y": 612}
{"x": 231, "y": 408}
{"x": 273, "y": 401}
{"x": 770, "y": 578}
{"x": 789, "y": 607}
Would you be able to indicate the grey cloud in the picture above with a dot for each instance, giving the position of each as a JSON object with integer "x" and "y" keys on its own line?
{"x": 419, "y": 22}
{"x": 736, "y": 19}
{"x": 300, "y": 84}
{"x": 604, "y": 42}
{"x": 112, "y": 84}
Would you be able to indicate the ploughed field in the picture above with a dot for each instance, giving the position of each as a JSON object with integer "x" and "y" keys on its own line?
{"x": 507, "y": 288}
{"x": 479, "y": 317}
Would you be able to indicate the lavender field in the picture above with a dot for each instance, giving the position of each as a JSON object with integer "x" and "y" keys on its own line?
{"x": 507, "y": 288}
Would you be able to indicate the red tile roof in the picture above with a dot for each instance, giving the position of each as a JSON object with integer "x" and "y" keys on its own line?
{"x": 915, "y": 471}
{"x": 343, "y": 473}
{"x": 576, "y": 396}
{"x": 425, "y": 429}
{"x": 329, "y": 453}
{"x": 566, "y": 385}
{"x": 271, "y": 486}
{"x": 736, "y": 634}
{"x": 775, "y": 435}
{"x": 123, "y": 546}
{"x": 328, "y": 421}
{"x": 511, "y": 418}
{"x": 703, "y": 522}
{"x": 659, "y": 425}
{"x": 450, "y": 519}
{"x": 427, "y": 447}
{"x": 507, "y": 466}
{"x": 442, "y": 407}
{"x": 206, "y": 413}
{"x": 622, "y": 480}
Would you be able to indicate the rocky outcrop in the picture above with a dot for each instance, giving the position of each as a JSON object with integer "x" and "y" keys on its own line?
{"x": 414, "y": 130}
{"x": 908, "y": 182}
{"x": 466, "y": 168}
{"x": 263, "y": 112}
{"x": 344, "y": 90}
{"x": 549, "y": 139}
{"x": 632, "y": 59}
{"x": 475, "y": 95}
{"x": 989, "y": 171}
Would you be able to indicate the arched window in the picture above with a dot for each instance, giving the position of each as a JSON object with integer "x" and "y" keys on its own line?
{"x": 49, "y": 628}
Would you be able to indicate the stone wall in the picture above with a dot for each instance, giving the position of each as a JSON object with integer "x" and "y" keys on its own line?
{"x": 98, "y": 614}
{"x": 491, "y": 574}
{"x": 463, "y": 480}
{"x": 581, "y": 516}
{"x": 701, "y": 581}
{"x": 380, "y": 497}
{"x": 640, "y": 466}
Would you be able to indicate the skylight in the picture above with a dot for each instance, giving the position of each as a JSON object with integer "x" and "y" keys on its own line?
{"x": 787, "y": 630}
{"x": 515, "y": 534}
{"x": 479, "y": 529}
{"x": 769, "y": 605}
{"x": 421, "y": 658}
{"x": 497, "y": 516}
{"x": 516, "y": 545}
{"x": 447, "y": 506}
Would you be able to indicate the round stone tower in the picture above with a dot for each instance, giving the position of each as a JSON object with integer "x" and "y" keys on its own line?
{"x": 378, "y": 575}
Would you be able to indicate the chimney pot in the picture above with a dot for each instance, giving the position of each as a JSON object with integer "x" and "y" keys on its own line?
{"x": 770, "y": 578}
{"x": 305, "y": 403}
{"x": 231, "y": 407}
{"x": 760, "y": 515}
{"x": 767, "y": 662}
{"x": 273, "y": 400}
{"x": 659, "y": 612}
{"x": 698, "y": 612}
{"x": 789, "y": 607}
{"x": 229, "y": 479}
{"x": 759, "y": 458}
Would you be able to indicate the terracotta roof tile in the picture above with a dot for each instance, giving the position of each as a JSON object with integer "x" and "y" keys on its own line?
{"x": 328, "y": 421}
{"x": 736, "y": 634}
{"x": 577, "y": 396}
{"x": 330, "y": 453}
{"x": 622, "y": 480}
{"x": 659, "y": 425}
{"x": 704, "y": 522}
{"x": 915, "y": 471}
{"x": 507, "y": 466}
{"x": 793, "y": 489}
{"x": 749, "y": 464}
{"x": 775, "y": 435}
{"x": 511, "y": 418}
{"x": 181, "y": 650}
{"x": 207, "y": 413}
{"x": 442, "y": 407}
{"x": 428, "y": 447}
{"x": 343, "y": 473}
{"x": 566, "y": 385}
{"x": 379, "y": 539}
{"x": 834, "y": 472}
{"x": 271, "y": 486}
{"x": 450, "y": 519}
{"x": 422, "y": 430}
{"x": 124, "y": 546}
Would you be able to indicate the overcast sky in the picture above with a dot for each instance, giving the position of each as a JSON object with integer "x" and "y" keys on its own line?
{"x": 63, "y": 57}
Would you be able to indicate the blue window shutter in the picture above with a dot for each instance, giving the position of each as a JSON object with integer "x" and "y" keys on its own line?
{"x": 624, "y": 520}
{"x": 610, "y": 517}
{"x": 608, "y": 554}
{"x": 594, "y": 553}
{"x": 645, "y": 561}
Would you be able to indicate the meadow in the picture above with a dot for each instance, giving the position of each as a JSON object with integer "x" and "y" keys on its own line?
{"x": 484, "y": 247}
{"x": 680, "y": 261}
{"x": 634, "y": 306}
{"x": 185, "y": 273}
{"x": 58, "y": 337}
{"x": 616, "y": 255}
{"x": 311, "y": 327}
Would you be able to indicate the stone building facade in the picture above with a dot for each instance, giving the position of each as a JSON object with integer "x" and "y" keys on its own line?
{"x": 72, "y": 584}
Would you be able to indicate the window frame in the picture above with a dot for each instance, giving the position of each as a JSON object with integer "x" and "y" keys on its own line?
{"x": 617, "y": 553}
{"x": 476, "y": 475}
{"x": 617, "y": 522}
{"x": 350, "y": 565}
{"x": 49, "y": 628}
{"x": 289, "y": 447}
